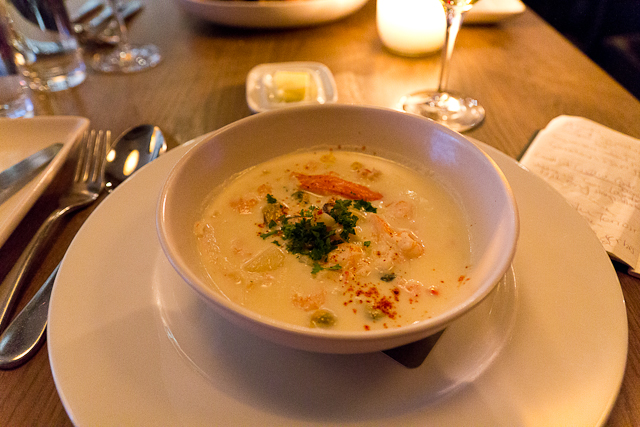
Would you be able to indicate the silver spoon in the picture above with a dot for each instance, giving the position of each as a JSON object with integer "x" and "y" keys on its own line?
{"x": 25, "y": 334}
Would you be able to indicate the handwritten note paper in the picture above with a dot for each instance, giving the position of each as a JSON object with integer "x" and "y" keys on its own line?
{"x": 598, "y": 171}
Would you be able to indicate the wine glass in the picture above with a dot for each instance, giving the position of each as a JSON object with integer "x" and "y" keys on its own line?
{"x": 447, "y": 108}
{"x": 125, "y": 58}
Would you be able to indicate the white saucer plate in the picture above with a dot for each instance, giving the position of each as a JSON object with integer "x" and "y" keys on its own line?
{"x": 20, "y": 138}
{"x": 492, "y": 11}
{"x": 131, "y": 344}
{"x": 270, "y": 14}
{"x": 260, "y": 78}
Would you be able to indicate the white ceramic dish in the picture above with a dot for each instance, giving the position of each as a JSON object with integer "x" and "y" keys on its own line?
{"x": 492, "y": 11}
{"x": 19, "y": 138}
{"x": 271, "y": 14}
{"x": 471, "y": 176}
{"x": 130, "y": 344}
{"x": 259, "y": 86}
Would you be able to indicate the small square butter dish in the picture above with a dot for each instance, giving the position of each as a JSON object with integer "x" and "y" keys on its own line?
{"x": 285, "y": 84}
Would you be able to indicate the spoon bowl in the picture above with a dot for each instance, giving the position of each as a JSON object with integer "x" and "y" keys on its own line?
{"x": 133, "y": 149}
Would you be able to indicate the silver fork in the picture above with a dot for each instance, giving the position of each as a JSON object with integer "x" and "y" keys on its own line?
{"x": 87, "y": 185}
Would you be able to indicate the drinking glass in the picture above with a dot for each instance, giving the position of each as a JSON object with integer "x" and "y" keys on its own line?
{"x": 14, "y": 99}
{"x": 456, "y": 112}
{"x": 43, "y": 43}
{"x": 125, "y": 58}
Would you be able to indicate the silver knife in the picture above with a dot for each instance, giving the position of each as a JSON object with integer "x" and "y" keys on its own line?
{"x": 87, "y": 9}
{"x": 18, "y": 175}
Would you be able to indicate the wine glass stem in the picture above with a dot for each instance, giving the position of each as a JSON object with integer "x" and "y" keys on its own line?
{"x": 454, "y": 21}
{"x": 123, "y": 44}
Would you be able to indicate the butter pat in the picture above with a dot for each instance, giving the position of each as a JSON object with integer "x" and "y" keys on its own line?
{"x": 293, "y": 86}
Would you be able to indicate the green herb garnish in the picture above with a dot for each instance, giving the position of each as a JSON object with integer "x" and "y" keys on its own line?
{"x": 388, "y": 277}
{"x": 304, "y": 235}
{"x": 340, "y": 212}
{"x": 269, "y": 234}
{"x": 308, "y": 237}
{"x": 317, "y": 268}
{"x": 363, "y": 205}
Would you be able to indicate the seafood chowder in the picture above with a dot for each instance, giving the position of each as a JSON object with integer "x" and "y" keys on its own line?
{"x": 336, "y": 239}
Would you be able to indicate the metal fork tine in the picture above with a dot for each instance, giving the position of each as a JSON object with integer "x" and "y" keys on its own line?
{"x": 92, "y": 153}
{"x": 81, "y": 150}
{"x": 84, "y": 155}
{"x": 92, "y": 166}
{"x": 99, "y": 154}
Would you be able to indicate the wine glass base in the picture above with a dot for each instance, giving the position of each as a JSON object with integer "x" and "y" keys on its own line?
{"x": 129, "y": 60}
{"x": 456, "y": 113}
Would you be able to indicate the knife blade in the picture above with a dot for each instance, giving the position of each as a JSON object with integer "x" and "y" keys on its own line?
{"x": 17, "y": 176}
{"x": 87, "y": 9}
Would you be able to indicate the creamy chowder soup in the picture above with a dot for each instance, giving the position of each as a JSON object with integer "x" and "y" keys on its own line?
{"x": 335, "y": 239}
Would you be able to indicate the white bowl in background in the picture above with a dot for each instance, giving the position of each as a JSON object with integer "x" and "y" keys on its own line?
{"x": 271, "y": 14}
{"x": 480, "y": 185}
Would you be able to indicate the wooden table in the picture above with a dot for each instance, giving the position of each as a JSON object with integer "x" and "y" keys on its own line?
{"x": 522, "y": 71}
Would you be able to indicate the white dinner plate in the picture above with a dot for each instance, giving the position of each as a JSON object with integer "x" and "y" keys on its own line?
{"x": 20, "y": 138}
{"x": 131, "y": 344}
{"x": 492, "y": 11}
{"x": 270, "y": 14}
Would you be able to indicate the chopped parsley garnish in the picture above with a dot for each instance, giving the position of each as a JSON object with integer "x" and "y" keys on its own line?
{"x": 308, "y": 237}
{"x": 269, "y": 234}
{"x": 304, "y": 235}
{"x": 317, "y": 268}
{"x": 388, "y": 277}
{"x": 363, "y": 205}
{"x": 340, "y": 212}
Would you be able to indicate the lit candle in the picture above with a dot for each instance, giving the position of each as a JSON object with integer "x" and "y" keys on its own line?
{"x": 411, "y": 27}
